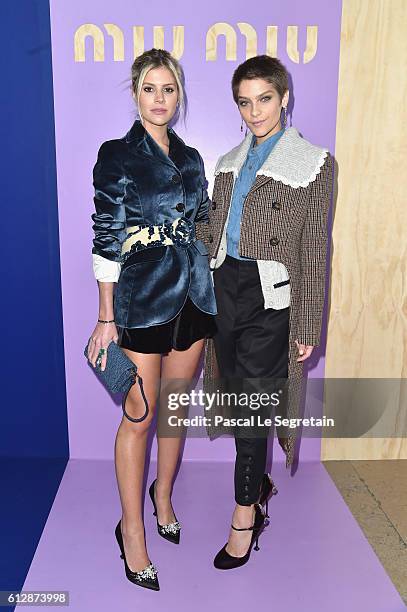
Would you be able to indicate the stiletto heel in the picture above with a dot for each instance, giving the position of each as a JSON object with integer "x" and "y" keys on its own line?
{"x": 171, "y": 531}
{"x": 146, "y": 577}
{"x": 257, "y": 544}
{"x": 224, "y": 560}
{"x": 267, "y": 490}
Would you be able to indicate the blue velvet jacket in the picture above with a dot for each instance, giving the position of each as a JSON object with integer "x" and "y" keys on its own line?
{"x": 136, "y": 183}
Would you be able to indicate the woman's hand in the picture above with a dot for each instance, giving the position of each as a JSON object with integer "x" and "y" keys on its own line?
{"x": 100, "y": 339}
{"x": 304, "y": 351}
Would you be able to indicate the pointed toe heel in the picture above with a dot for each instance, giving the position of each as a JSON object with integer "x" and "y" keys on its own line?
{"x": 147, "y": 577}
{"x": 170, "y": 532}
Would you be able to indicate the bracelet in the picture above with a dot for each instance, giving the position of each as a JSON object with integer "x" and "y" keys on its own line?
{"x": 101, "y": 321}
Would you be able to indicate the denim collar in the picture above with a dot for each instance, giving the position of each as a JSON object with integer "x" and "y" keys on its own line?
{"x": 262, "y": 150}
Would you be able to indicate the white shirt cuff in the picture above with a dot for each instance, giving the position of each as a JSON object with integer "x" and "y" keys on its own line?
{"x": 105, "y": 270}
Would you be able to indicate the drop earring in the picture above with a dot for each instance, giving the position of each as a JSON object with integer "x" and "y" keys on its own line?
{"x": 285, "y": 116}
{"x": 241, "y": 126}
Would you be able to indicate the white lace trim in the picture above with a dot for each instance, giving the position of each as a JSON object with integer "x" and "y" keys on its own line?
{"x": 293, "y": 161}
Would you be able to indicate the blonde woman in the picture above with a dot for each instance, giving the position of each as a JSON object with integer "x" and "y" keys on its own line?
{"x": 150, "y": 198}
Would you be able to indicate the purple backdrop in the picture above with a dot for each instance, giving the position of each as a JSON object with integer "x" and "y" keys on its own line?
{"x": 93, "y": 104}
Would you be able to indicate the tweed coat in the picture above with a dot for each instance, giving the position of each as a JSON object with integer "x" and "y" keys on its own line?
{"x": 284, "y": 220}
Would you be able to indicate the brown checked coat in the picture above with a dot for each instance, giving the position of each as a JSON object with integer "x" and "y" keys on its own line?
{"x": 284, "y": 220}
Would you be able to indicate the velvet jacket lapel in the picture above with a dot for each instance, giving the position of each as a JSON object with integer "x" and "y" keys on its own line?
{"x": 142, "y": 142}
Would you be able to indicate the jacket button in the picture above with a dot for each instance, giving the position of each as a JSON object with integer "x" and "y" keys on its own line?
{"x": 210, "y": 238}
{"x": 180, "y": 207}
{"x": 276, "y": 205}
{"x": 175, "y": 178}
{"x": 274, "y": 241}
{"x": 213, "y": 205}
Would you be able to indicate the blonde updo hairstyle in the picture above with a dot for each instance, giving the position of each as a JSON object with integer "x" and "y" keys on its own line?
{"x": 155, "y": 58}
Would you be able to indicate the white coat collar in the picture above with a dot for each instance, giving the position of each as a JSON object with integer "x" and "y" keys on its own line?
{"x": 293, "y": 160}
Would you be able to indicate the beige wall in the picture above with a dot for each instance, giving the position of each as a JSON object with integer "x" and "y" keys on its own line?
{"x": 367, "y": 332}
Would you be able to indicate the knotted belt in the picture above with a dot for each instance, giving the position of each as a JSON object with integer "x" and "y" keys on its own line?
{"x": 180, "y": 232}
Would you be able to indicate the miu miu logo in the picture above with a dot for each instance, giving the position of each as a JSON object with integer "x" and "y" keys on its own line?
{"x": 218, "y": 29}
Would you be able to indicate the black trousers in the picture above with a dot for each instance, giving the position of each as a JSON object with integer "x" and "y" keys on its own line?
{"x": 251, "y": 342}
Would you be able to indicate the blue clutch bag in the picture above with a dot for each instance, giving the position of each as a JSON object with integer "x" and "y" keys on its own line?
{"x": 119, "y": 375}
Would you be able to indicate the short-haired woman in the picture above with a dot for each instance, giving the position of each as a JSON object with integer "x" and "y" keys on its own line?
{"x": 267, "y": 242}
{"x": 150, "y": 197}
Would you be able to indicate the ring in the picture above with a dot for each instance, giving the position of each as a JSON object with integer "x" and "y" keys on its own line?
{"x": 102, "y": 351}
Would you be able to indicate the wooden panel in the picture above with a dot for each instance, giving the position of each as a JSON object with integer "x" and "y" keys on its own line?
{"x": 368, "y": 295}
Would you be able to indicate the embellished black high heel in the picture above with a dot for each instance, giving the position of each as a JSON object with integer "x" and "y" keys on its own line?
{"x": 225, "y": 561}
{"x": 267, "y": 490}
{"x": 171, "y": 531}
{"x": 146, "y": 577}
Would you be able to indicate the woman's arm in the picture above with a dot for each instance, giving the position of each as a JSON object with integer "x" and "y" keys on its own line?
{"x": 109, "y": 232}
{"x": 313, "y": 257}
{"x": 109, "y": 220}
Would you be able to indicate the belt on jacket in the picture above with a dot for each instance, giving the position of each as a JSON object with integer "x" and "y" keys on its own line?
{"x": 180, "y": 232}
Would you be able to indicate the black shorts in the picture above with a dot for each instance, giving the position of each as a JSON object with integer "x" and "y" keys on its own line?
{"x": 190, "y": 325}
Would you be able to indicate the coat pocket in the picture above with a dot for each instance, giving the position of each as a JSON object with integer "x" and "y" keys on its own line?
{"x": 152, "y": 254}
{"x": 282, "y": 283}
{"x": 275, "y": 284}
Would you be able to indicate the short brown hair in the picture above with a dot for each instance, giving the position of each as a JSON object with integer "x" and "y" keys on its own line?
{"x": 155, "y": 58}
{"x": 261, "y": 67}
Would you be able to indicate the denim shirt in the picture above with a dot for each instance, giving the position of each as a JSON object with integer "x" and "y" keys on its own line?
{"x": 256, "y": 157}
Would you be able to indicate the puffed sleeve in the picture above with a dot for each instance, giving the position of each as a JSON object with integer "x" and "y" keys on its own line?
{"x": 109, "y": 218}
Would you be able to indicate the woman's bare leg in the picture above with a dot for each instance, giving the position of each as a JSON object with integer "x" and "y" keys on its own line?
{"x": 130, "y": 452}
{"x": 180, "y": 367}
